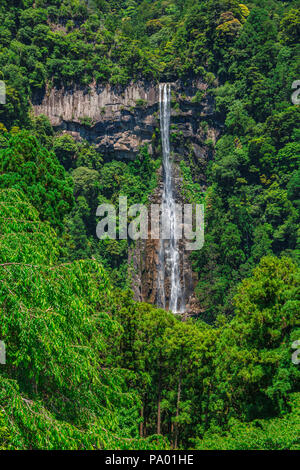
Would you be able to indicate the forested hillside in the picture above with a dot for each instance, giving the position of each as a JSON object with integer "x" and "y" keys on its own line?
{"x": 88, "y": 367}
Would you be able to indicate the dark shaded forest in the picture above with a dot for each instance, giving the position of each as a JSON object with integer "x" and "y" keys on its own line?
{"x": 87, "y": 366}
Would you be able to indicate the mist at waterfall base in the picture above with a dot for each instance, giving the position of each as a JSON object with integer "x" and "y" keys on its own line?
{"x": 169, "y": 255}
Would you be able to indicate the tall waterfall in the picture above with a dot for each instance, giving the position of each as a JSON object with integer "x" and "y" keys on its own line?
{"x": 169, "y": 256}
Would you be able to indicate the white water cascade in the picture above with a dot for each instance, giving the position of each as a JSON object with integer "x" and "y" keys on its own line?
{"x": 169, "y": 256}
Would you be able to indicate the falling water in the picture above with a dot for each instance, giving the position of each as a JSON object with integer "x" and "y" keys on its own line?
{"x": 169, "y": 259}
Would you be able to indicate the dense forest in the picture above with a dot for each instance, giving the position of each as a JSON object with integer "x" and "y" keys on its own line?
{"x": 88, "y": 367}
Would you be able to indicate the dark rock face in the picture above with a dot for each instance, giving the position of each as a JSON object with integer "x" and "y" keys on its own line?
{"x": 118, "y": 121}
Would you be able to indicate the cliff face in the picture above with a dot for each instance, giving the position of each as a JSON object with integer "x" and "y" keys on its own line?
{"x": 118, "y": 121}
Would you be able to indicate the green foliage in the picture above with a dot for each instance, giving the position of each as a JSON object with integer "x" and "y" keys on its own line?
{"x": 65, "y": 149}
{"x": 198, "y": 97}
{"x": 78, "y": 42}
{"x": 269, "y": 434}
{"x": 191, "y": 191}
{"x": 200, "y": 384}
{"x": 255, "y": 353}
{"x": 250, "y": 210}
{"x": 290, "y": 26}
{"x": 95, "y": 183}
{"x": 4, "y": 436}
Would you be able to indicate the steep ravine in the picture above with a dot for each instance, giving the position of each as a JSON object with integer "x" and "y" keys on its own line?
{"x": 118, "y": 121}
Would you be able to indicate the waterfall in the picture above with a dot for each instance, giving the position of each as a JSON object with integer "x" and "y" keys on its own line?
{"x": 169, "y": 256}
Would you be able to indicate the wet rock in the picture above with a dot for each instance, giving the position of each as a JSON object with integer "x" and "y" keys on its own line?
{"x": 118, "y": 121}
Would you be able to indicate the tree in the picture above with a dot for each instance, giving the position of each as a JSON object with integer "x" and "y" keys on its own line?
{"x": 254, "y": 371}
